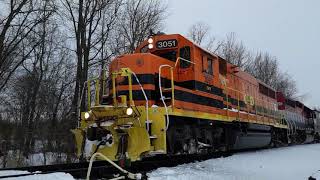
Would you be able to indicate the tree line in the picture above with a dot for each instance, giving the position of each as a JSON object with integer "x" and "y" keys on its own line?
{"x": 48, "y": 49}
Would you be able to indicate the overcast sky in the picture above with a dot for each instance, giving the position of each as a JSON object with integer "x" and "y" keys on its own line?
{"x": 288, "y": 29}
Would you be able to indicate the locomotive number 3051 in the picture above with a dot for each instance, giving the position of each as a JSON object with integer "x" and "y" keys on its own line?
{"x": 167, "y": 44}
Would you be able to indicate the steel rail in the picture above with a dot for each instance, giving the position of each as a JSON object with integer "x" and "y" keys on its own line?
{"x": 101, "y": 169}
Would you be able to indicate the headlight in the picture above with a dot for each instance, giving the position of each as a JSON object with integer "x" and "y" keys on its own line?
{"x": 86, "y": 115}
{"x": 150, "y": 46}
{"x": 150, "y": 40}
{"x": 129, "y": 111}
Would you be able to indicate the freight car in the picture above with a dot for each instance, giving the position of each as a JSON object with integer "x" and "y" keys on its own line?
{"x": 173, "y": 97}
{"x": 316, "y": 122}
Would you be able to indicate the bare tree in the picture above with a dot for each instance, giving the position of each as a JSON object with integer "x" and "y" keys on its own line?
{"x": 38, "y": 87}
{"x": 95, "y": 21}
{"x": 262, "y": 65}
{"x": 36, "y": 67}
{"x": 286, "y": 84}
{"x": 201, "y": 35}
{"x": 92, "y": 22}
{"x": 234, "y": 51}
{"x": 18, "y": 20}
{"x": 199, "y": 32}
{"x": 138, "y": 17}
{"x": 265, "y": 67}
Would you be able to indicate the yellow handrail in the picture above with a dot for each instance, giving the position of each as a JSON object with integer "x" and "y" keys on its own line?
{"x": 178, "y": 59}
{"x": 172, "y": 88}
{"x": 124, "y": 72}
{"x": 103, "y": 81}
{"x": 130, "y": 89}
{"x": 89, "y": 94}
{"x": 227, "y": 95}
{"x": 114, "y": 96}
{"x": 238, "y": 105}
{"x": 97, "y": 95}
{"x": 88, "y": 83}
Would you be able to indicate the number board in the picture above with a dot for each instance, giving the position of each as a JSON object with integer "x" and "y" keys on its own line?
{"x": 171, "y": 43}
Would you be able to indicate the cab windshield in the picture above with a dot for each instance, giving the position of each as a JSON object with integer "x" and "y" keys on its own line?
{"x": 170, "y": 55}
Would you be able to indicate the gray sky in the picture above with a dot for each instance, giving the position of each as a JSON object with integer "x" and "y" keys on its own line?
{"x": 288, "y": 29}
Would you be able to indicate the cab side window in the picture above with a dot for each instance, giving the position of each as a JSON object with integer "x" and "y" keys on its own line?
{"x": 186, "y": 55}
{"x": 209, "y": 68}
{"x": 202, "y": 61}
{"x": 207, "y": 64}
{"x": 222, "y": 66}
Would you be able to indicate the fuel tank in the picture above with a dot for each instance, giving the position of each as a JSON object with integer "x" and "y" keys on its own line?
{"x": 252, "y": 136}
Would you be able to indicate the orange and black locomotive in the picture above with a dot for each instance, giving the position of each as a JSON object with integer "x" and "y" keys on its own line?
{"x": 173, "y": 97}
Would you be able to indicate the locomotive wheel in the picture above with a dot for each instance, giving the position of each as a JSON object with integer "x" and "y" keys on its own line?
{"x": 190, "y": 146}
{"x": 317, "y": 138}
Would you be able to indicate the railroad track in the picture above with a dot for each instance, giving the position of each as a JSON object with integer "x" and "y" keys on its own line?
{"x": 77, "y": 170}
{"x": 102, "y": 169}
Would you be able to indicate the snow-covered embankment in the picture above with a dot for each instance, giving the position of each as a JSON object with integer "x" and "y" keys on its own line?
{"x": 294, "y": 163}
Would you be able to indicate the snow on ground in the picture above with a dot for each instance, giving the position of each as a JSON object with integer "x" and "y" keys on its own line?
{"x": 51, "y": 176}
{"x": 16, "y": 158}
{"x": 292, "y": 163}
{"x": 38, "y": 159}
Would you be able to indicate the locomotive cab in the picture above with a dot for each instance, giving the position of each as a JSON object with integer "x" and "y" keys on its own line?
{"x": 174, "y": 48}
